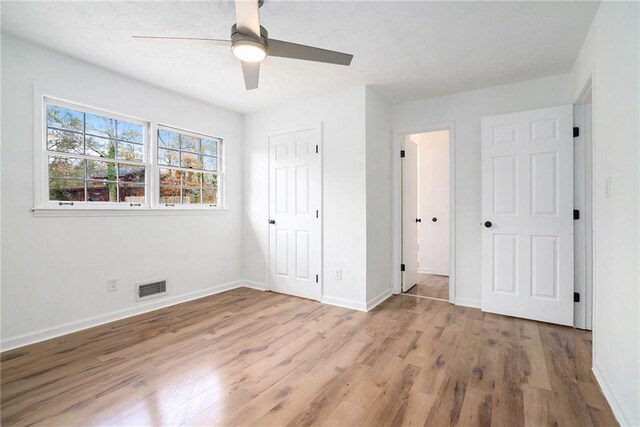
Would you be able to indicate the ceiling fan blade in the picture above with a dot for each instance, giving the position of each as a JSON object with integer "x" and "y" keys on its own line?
{"x": 307, "y": 53}
{"x": 185, "y": 39}
{"x": 248, "y": 18}
{"x": 251, "y": 72}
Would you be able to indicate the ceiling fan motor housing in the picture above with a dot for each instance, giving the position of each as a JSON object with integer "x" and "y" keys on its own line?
{"x": 237, "y": 37}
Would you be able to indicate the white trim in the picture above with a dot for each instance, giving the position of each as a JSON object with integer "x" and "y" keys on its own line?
{"x": 424, "y": 271}
{"x": 317, "y": 127}
{"x": 379, "y": 299}
{"x": 80, "y": 212}
{"x": 610, "y": 396}
{"x": 70, "y": 327}
{"x": 260, "y": 286}
{"x": 345, "y": 303}
{"x": 468, "y": 302}
{"x": 396, "y": 200}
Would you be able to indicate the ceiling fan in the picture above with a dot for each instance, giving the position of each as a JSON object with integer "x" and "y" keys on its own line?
{"x": 250, "y": 43}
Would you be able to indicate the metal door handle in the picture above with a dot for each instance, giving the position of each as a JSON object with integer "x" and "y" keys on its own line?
{"x": 488, "y": 224}
{"x": 434, "y": 219}
{"x": 272, "y": 221}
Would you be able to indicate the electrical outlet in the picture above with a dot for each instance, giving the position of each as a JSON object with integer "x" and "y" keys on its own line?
{"x": 338, "y": 274}
{"x": 113, "y": 284}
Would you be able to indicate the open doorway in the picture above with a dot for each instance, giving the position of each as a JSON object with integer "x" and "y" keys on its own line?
{"x": 426, "y": 214}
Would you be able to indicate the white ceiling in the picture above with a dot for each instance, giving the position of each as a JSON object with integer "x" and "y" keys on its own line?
{"x": 405, "y": 50}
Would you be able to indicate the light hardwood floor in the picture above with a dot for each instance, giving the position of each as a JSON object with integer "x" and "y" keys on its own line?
{"x": 431, "y": 286}
{"x": 247, "y": 357}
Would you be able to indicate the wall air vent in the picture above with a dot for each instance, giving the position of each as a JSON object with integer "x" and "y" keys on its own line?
{"x": 147, "y": 290}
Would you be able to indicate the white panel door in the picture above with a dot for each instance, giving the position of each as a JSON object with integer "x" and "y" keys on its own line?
{"x": 527, "y": 208}
{"x": 434, "y": 206}
{"x": 409, "y": 214}
{"x": 294, "y": 204}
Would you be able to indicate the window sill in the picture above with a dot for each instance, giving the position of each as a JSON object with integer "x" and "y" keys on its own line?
{"x": 80, "y": 212}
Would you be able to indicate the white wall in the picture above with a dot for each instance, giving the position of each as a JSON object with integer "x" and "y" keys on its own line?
{"x": 433, "y": 201}
{"x": 54, "y": 270}
{"x": 378, "y": 134}
{"x": 611, "y": 54}
{"x": 466, "y": 109}
{"x": 344, "y": 215}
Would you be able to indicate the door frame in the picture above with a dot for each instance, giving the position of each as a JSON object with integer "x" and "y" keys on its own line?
{"x": 396, "y": 200}
{"x": 314, "y": 127}
{"x": 588, "y": 214}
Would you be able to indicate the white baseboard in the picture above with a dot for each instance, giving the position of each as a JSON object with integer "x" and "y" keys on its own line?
{"x": 610, "y": 396}
{"x": 254, "y": 285}
{"x": 55, "y": 331}
{"x": 345, "y": 303}
{"x": 424, "y": 271}
{"x": 467, "y": 302}
{"x": 379, "y": 299}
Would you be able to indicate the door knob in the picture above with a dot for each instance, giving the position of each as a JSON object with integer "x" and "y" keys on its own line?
{"x": 272, "y": 221}
{"x": 418, "y": 220}
{"x": 488, "y": 224}
{"x": 434, "y": 219}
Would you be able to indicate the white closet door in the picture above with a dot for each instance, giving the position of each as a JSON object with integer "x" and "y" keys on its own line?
{"x": 294, "y": 201}
{"x": 527, "y": 207}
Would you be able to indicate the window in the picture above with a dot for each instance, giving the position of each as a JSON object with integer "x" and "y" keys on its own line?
{"x": 188, "y": 168}
{"x": 95, "y": 159}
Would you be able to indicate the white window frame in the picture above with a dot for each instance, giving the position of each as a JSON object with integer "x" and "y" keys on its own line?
{"x": 45, "y": 207}
{"x": 219, "y": 161}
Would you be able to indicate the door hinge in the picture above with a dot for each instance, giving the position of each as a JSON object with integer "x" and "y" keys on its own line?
{"x": 401, "y": 267}
{"x": 401, "y": 153}
{"x": 317, "y": 214}
{"x": 316, "y": 278}
{"x": 576, "y": 297}
{"x": 576, "y": 132}
{"x": 316, "y": 149}
{"x": 576, "y": 214}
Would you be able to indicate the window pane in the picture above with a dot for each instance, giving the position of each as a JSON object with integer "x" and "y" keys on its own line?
{"x": 169, "y": 194}
{"x": 168, "y": 157}
{"x": 209, "y": 180}
{"x": 170, "y": 177}
{"x": 66, "y": 142}
{"x": 209, "y": 147}
{"x": 168, "y": 139}
{"x": 129, "y": 151}
{"x": 66, "y": 190}
{"x": 65, "y": 167}
{"x": 190, "y": 143}
{"x": 101, "y": 191}
{"x": 131, "y": 173}
{"x": 64, "y": 118}
{"x": 101, "y": 171}
{"x": 209, "y": 163}
{"x": 129, "y": 132}
{"x": 190, "y": 161}
{"x": 210, "y": 196}
{"x": 131, "y": 193}
{"x": 100, "y": 126}
{"x": 190, "y": 195}
{"x": 100, "y": 147}
{"x": 192, "y": 179}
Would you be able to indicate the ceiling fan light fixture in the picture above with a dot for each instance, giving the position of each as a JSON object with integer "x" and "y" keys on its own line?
{"x": 249, "y": 51}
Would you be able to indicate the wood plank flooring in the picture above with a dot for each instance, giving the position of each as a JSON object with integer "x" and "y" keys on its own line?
{"x": 431, "y": 286}
{"x": 246, "y": 357}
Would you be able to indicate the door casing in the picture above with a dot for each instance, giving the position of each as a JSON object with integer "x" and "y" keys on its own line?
{"x": 396, "y": 200}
